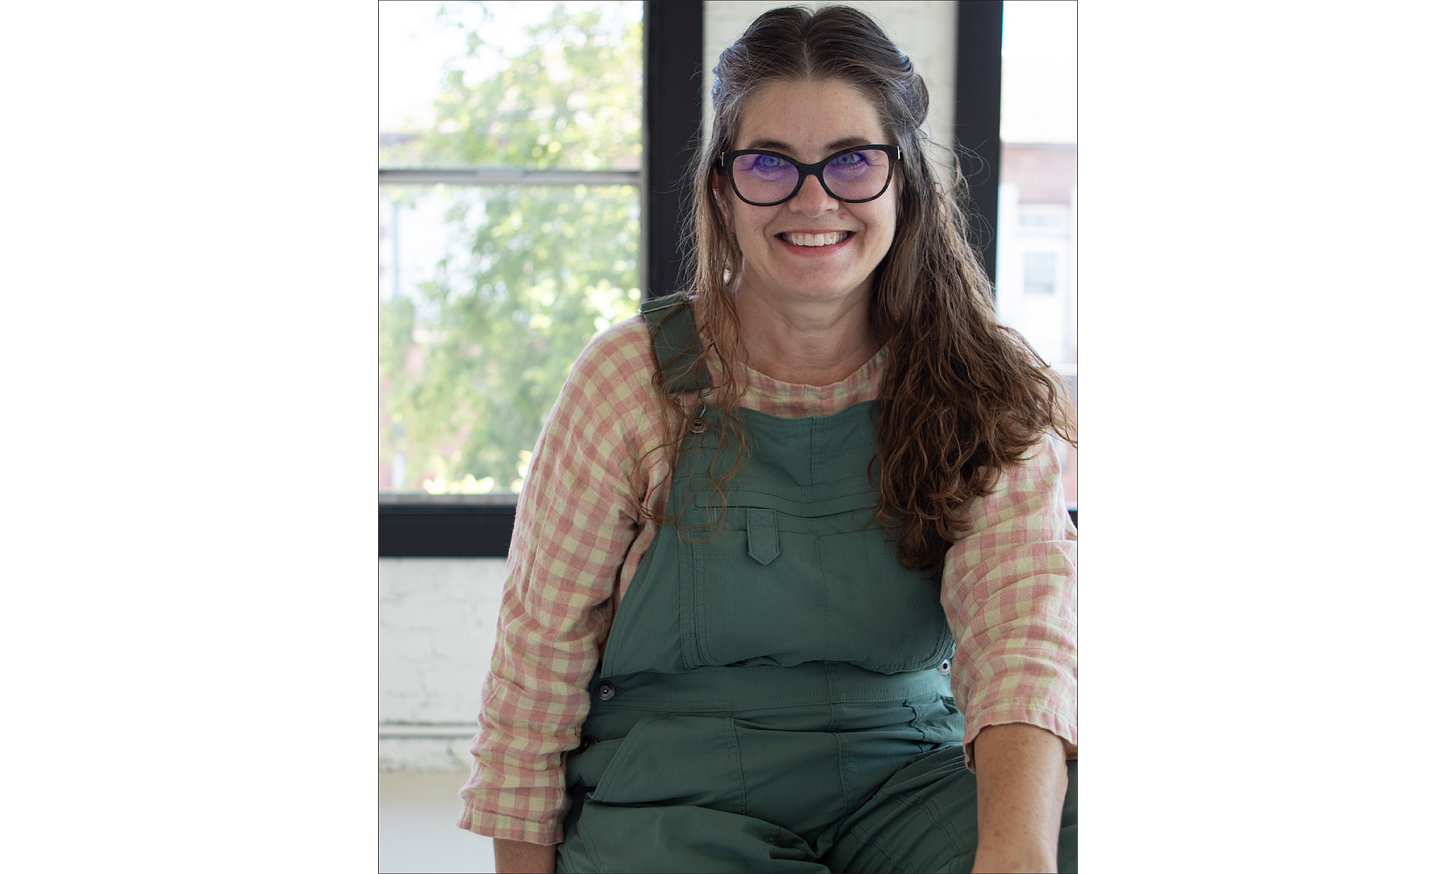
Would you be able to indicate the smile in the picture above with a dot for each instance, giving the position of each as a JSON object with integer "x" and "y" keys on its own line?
{"x": 829, "y": 239}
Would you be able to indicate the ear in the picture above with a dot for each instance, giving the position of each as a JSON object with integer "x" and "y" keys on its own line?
{"x": 719, "y": 183}
{"x": 721, "y": 197}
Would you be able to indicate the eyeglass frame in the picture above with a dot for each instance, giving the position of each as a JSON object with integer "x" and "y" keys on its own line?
{"x": 806, "y": 170}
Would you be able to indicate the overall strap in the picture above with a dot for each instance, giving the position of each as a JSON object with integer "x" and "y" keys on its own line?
{"x": 675, "y": 340}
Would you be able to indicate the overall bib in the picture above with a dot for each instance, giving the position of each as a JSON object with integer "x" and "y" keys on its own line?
{"x": 774, "y": 694}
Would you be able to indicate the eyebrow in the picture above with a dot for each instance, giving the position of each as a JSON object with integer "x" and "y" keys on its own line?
{"x": 777, "y": 146}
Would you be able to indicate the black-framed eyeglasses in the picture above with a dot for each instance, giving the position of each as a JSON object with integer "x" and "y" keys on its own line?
{"x": 854, "y": 175}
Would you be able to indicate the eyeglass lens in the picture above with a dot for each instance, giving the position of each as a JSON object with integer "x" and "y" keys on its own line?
{"x": 763, "y": 178}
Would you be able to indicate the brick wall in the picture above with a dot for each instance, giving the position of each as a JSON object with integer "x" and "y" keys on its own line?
{"x": 436, "y": 631}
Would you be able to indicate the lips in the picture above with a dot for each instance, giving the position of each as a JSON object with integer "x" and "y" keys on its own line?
{"x": 829, "y": 238}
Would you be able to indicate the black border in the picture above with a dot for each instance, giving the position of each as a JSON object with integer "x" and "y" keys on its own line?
{"x": 454, "y": 530}
{"x": 978, "y": 116}
{"x": 445, "y": 530}
{"x": 672, "y": 38}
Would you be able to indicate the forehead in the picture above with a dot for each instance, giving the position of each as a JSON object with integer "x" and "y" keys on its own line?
{"x": 808, "y": 119}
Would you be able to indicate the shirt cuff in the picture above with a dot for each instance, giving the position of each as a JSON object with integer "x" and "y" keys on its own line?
{"x": 509, "y": 828}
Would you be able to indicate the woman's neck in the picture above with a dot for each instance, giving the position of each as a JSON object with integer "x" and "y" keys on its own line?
{"x": 806, "y": 343}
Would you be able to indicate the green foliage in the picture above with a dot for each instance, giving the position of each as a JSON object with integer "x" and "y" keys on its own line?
{"x": 570, "y": 97}
{"x": 472, "y": 360}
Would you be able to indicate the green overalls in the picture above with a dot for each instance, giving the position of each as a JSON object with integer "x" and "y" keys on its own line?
{"x": 776, "y": 696}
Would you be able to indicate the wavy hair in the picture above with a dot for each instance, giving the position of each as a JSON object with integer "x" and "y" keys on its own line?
{"x": 961, "y": 396}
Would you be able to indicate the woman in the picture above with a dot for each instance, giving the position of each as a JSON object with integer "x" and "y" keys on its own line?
{"x": 782, "y": 531}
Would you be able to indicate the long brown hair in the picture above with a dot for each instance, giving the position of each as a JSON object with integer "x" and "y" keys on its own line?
{"x": 961, "y": 396}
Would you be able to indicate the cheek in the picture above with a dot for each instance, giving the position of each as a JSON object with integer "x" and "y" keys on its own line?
{"x": 885, "y": 224}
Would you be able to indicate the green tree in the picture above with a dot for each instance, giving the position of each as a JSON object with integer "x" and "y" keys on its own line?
{"x": 472, "y": 360}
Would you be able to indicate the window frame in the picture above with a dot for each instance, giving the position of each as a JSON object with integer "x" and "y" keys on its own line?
{"x": 459, "y": 526}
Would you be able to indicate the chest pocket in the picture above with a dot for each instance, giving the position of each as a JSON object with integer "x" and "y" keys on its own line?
{"x": 794, "y": 577}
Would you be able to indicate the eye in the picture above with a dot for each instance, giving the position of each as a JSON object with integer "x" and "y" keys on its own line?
{"x": 768, "y": 162}
{"x": 850, "y": 159}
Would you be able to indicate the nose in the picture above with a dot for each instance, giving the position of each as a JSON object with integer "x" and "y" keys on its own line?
{"x": 813, "y": 199}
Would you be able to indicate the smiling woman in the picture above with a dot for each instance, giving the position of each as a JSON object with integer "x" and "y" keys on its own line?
{"x": 808, "y": 256}
{"x": 805, "y": 512}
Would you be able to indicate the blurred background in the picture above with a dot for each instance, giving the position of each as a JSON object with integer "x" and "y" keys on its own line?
{"x": 516, "y": 199}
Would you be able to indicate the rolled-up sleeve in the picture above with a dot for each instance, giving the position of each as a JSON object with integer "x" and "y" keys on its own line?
{"x": 1009, "y": 592}
{"x": 576, "y": 519}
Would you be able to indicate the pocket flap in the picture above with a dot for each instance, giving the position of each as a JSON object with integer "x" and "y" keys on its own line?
{"x": 763, "y": 535}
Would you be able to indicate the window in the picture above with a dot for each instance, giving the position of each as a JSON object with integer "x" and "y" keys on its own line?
{"x": 510, "y": 205}
{"x": 1036, "y": 246}
{"x": 1040, "y": 273}
{"x": 1038, "y": 218}
{"x": 517, "y": 188}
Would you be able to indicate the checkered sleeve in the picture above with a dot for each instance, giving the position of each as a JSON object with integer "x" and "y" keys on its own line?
{"x": 1010, "y": 594}
{"x": 576, "y": 519}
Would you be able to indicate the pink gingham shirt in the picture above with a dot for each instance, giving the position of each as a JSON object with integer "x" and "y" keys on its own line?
{"x": 1008, "y": 588}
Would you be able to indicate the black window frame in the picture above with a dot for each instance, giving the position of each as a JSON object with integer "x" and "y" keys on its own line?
{"x": 672, "y": 42}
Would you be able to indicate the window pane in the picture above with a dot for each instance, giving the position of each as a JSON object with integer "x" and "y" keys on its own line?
{"x": 1036, "y": 248}
{"x": 487, "y": 295}
{"x": 510, "y": 85}
{"x": 1041, "y": 273}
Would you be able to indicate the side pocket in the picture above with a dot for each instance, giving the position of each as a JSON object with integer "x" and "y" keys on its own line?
{"x": 585, "y": 767}
{"x": 678, "y": 760}
{"x": 938, "y": 720}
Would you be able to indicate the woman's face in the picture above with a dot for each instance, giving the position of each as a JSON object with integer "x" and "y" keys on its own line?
{"x": 809, "y": 121}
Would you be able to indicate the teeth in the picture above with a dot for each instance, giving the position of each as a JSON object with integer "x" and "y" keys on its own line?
{"x": 817, "y": 239}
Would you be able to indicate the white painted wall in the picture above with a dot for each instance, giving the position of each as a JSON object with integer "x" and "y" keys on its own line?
{"x": 436, "y": 631}
{"x": 437, "y": 621}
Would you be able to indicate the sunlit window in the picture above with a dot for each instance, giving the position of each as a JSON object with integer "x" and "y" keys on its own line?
{"x": 510, "y": 154}
{"x": 1036, "y": 247}
{"x": 1040, "y": 276}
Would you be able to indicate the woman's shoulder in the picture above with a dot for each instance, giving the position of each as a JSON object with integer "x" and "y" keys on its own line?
{"x": 617, "y": 357}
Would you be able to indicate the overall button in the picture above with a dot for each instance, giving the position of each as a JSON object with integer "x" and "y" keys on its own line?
{"x": 698, "y": 426}
{"x": 605, "y": 691}
{"x": 588, "y": 742}
{"x": 944, "y": 667}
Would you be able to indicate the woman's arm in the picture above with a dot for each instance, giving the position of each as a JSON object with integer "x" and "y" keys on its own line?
{"x": 1009, "y": 592}
{"x": 575, "y": 522}
{"x": 518, "y": 857}
{"x": 1021, "y": 782}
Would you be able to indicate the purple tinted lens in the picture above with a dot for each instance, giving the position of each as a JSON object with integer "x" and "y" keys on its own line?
{"x": 764, "y": 178}
{"x": 858, "y": 175}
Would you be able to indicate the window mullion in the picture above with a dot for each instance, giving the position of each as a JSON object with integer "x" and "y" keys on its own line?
{"x": 511, "y": 177}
